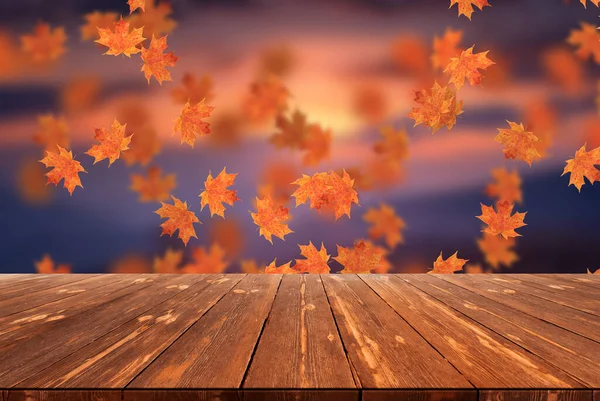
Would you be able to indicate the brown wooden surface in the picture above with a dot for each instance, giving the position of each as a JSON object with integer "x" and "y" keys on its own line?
{"x": 300, "y": 337}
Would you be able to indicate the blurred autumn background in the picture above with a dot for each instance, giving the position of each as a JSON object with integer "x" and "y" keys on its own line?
{"x": 350, "y": 68}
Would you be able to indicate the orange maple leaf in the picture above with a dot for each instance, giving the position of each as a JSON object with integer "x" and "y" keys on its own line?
{"x": 360, "y": 259}
{"x": 153, "y": 188}
{"x": 156, "y": 61}
{"x": 45, "y": 44}
{"x": 315, "y": 262}
{"x": 582, "y": 166}
{"x": 119, "y": 40}
{"x": 216, "y": 193}
{"x": 564, "y": 68}
{"x": 271, "y": 218}
{"x": 497, "y": 251}
{"x": 448, "y": 266}
{"x": 250, "y": 266}
{"x": 169, "y": 263}
{"x": 385, "y": 223}
{"x": 278, "y": 60}
{"x": 229, "y": 235}
{"x": 438, "y": 108}
{"x": 154, "y": 20}
{"x": 467, "y": 66}
{"x": 11, "y": 57}
{"x": 370, "y": 103}
{"x": 506, "y": 186}
{"x": 80, "y": 94}
{"x": 226, "y": 129}
{"x": 501, "y": 222}
{"x": 518, "y": 143}
{"x": 293, "y": 131}
{"x": 465, "y": 7}
{"x": 276, "y": 181}
{"x": 474, "y": 268}
{"x": 190, "y": 122}
{"x": 317, "y": 145}
{"x": 205, "y": 261}
{"x": 52, "y": 132}
{"x": 384, "y": 265}
{"x": 178, "y": 218}
{"x": 445, "y": 48}
{"x": 130, "y": 264}
{"x": 596, "y": 272}
{"x": 541, "y": 118}
{"x": 410, "y": 55}
{"x": 112, "y": 143}
{"x": 393, "y": 144}
{"x": 283, "y": 269}
{"x": 95, "y": 20}
{"x": 47, "y": 266}
{"x": 143, "y": 147}
{"x": 587, "y": 40}
{"x": 327, "y": 189}
{"x": 135, "y": 4}
{"x": 64, "y": 167}
{"x": 268, "y": 97}
{"x": 31, "y": 183}
{"x": 595, "y": 2}
{"x": 194, "y": 90}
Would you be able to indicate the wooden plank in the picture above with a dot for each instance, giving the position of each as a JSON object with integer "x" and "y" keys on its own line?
{"x": 302, "y": 395}
{"x": 384, "y": 351}
{"x": 301, "y": 340}
{"x": 22, "y": 359}
{"x": 571, "y": 319}
{"x": 419, "y": 395}
{"x": 28, "y": 287}
{"x": 24, "y": 302}
{"x": 560, "y": 287}
{"x": 596, "y": 395}
{"x": 115, "y": 359}
{"x": 28, "y": 323}
{"x": 535, "y": 395}
{"x": 8, "y": 280}
{"x": 576, "y": 301}
{"x": 215, "y": 352}
{"x": 63, "y": 395}
{"x": 566, "y": 350}
{"x": 470, "y": 347}
{"x": 182, "y": 395}
{"x": 580, "y": 280}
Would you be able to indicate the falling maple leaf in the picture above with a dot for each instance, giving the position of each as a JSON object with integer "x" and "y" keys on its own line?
{"x": 497, "y": 250}
{"x": 271, "y": 218}
{"x": 564, "y": 68}
{"x": 541, "y": 118}
{"x": 206, "y": 261}
{"x": 80, "y": 94}
{"x": 169, "y": 263}
{"x": 216, "y": 193}
{"x": 153, "y": 188}
{"x": 31, "y": 183}
{"x": 143, "y": 147}
{"x": 229, "y": 235}
{"x": 47, "y": 266}
{"x": 278, "y": 60}
{"x": 11, "y": 58}
{"x": 112, "y": 143}
{"x": 393, "y": 144}
{"x": 283, "y": 269}
{"x": 315, "y": 262}
{"x": 410, "y": 55}
{"x": 445, "y": 48}
{"x": 268, "y": 97}
{"x": 45, "y": 44}
{"x": 156, "y": 61}
{"x": 582, "y": 166}
{"x": 178, "y": 218}
{"x": 135, "y": 4}
{"x": 587, "y": 40}
{"x": 120, "y": 40}
{"x": 190, "y": 122}
{"x": 154, "y": 20}
{"x": 370, "y": 103}
{"x": 327, "y": 189}
{"x": 465, "y": 7}
{"x": 63, "y": 167}
{"x": 385, "y": 223}
{"x": 360, "y": 259}
{"x": 226, "y": 129}
{"x": 384, "y": 265}
{"x": 250, "y": 266}
{"x": 317, "y": 145}
{"x": 194, "y": 90}
{"x": 506, "y": 186}
{"x": 595, "y": 2}
{"x": 474, "y": 268}
{"x": 438, "y": 108}
{"x": 501, "y": 221}
{"x": 276, "y": 181}
{"x": 131, "y": 264}
{"x": 448, "y": 266}
{"x": 293, "y": 131}
{"x": 467, "y": 66}
{"x": 95, "y": 20}
{"x": 596, "y": 272}
{"x": 52, "y": 132}
{"x": 518, "y": 143}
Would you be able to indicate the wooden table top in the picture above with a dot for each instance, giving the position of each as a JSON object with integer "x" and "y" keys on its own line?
{"x": 329, "y": 337}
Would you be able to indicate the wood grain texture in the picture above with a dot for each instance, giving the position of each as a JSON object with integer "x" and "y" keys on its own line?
{"x": 182, "y": 395}
{"x": 384, "y": 351}
{"x": 580, "y": 281}
{"x": 466, "y": 344}
{"x": 535, "y": 395}
{"x": 21, "y": 359}
{"x": 577, "y": 321}
{"x": 302, "y": 395}
{"x": 301, "y": 339}
{"x": 44, "y": 282}
{"x": 215, "y": 352}
{"x": 63, "y": 395}
{"x": 420, "y": 395}
{"x": 596, "y": 395}
{"x": 113, "y": 360}
{"x": 561, "y": 348}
